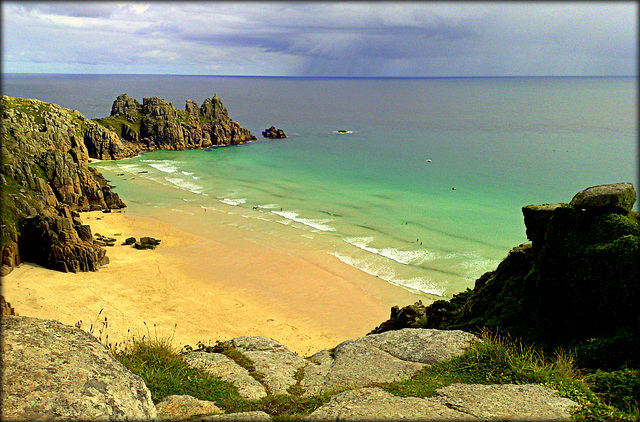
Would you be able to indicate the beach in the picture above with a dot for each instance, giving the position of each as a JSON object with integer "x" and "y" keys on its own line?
{"x": 196, "y": 288}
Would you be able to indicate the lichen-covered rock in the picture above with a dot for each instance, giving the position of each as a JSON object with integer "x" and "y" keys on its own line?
{"x": 315, "y": 372}
{"x": 616, "y": 197}
{"x": 183, "y": 407}
{"x": 375, "y": 404}
{"x": 221, "y": 366}
{"x": 418, "y": 345}
{"x": 272, "y": 360}
{"x": 507, "y": 402}
{"x": 357, "y": 365}
{"x": 464, "y": 402}
{"x": 51, "y": 371}
{"x": 378, "y": 358}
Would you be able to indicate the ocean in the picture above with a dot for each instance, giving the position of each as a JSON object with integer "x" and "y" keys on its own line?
{"x": 417, "y": 181}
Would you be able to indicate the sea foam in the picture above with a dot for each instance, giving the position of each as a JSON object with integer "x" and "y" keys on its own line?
{"x": 165, "y": 166}
{"x": 129, "y": 168}
{"x": 233, "y": 201}
{"x": 184, "y": 184}
{"x": 414, "y": 285}
{"x": 318, "y": 224}
{"x": 402, "y": 257}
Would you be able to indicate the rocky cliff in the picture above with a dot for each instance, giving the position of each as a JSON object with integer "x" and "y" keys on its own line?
{"x": 157, "y": 124}
{"x": 45, "y": 177}
{"x": 45, "y": 182}
{"x": 575, "y": 285}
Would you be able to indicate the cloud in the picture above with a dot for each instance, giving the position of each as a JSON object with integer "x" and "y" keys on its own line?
{"x": 325, "y": 39}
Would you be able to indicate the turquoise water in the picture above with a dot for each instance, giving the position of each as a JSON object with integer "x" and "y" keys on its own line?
{"x": 424, "y": 190}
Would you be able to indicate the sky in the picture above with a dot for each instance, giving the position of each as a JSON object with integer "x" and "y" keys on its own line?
{"x": 332, "y": 39}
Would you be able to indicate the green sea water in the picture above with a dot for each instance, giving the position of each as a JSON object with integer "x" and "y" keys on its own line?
{"x": 424, "y": 189}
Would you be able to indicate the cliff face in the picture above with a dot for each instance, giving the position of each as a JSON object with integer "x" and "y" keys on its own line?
{"x": 46, "y": 181}
{"x": 156, "y": 124}
{"x": 576, "y": 285}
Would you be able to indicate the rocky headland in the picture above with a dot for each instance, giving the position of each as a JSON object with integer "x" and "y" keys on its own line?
{"x": 46, "y": 180}
{"x": 157, "y": 124}
{"x": 576, "y": 285}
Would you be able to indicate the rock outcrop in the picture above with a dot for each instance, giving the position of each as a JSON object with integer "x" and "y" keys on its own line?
{"x": 575, "y": 286}
{"x": 51, "y": 371}
{"x": 398, "y": 355}
{"x": 274, "y": 133}
{"x": 226, "y": 369}
{"x": 274, "y": 363}
{"x": 45, "y": 155}
{"x": 386, "y": 357}
{"x": 45, "y": 181}
{"x": 157, "y": 124}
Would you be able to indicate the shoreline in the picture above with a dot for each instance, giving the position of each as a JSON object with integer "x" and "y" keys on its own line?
{"x": 195, "y": 288}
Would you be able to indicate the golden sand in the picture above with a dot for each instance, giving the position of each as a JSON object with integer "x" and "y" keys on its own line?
{"x": 195, "y": 288}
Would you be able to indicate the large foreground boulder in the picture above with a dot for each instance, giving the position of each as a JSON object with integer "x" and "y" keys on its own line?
{"x": 617, "y": 197}
{"x": 51, "y": 371}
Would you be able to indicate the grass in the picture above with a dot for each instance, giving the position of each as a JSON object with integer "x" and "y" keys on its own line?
{"x": 165, "y": 373}
{"x": 499, "y": 360}
{"x": 492, "y": 360}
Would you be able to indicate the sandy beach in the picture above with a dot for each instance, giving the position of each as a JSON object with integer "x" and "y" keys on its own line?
{"x": 205, "y": 288}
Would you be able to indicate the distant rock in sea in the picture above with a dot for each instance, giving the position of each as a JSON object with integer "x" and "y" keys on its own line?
{"x": 272, "y": 132}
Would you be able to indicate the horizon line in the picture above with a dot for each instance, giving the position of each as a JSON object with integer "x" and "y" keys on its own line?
{"x": 321, "y": 77}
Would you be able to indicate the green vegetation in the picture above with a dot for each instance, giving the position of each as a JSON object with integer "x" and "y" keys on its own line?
{"x": 32, "y": 108}
{"x": 165, "y": 373}
{"x": 496, "y": 360}
{"x": 602, "y": 396}
{"x": 120, "y": 125}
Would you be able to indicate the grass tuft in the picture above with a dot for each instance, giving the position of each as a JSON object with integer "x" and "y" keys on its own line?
{"x": 165, "y": 373}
